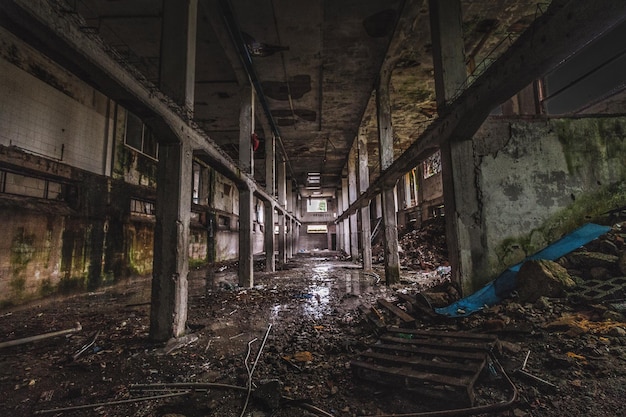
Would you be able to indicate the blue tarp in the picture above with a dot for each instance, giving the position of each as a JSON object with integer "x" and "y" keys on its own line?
{"x": 505, "y": 284}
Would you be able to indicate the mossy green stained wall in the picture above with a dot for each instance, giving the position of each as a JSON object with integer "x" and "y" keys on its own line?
{"x": 544, "y": 179}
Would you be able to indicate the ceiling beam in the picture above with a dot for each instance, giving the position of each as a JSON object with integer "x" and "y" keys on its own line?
{"x": 566, "y": 27}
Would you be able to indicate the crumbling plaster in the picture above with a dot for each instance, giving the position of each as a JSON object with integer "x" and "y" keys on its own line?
{"x": 537, "y": 179}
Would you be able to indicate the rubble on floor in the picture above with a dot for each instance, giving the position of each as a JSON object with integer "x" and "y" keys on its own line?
{"x": 421, "y": 249}
{"x": 563, "y": 333}
{"x": 299, "y": 334}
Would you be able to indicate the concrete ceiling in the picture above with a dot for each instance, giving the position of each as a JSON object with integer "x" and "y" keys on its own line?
{"x": 317, "y": 62}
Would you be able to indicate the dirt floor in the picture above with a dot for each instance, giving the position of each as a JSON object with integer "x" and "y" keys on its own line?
{"x": 310, "y": 321}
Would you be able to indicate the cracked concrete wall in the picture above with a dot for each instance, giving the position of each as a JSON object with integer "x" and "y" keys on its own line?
{"x": 539, "y": 179}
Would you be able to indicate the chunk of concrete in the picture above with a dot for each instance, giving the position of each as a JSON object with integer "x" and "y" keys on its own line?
{"x": 587, "y": 260}
{"x": 539, "y": 278}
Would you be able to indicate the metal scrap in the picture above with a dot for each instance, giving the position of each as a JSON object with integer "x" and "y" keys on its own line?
{"x": 16, "y": 342}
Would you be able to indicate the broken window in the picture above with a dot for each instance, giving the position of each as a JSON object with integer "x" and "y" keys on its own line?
{"x": 316, "y": 205}
{"x": 223, "y": 222}
{"x": 432, "y": 165}
{"x": 316, "y": 228}
{"x": 139, "y": 137}
{"x": 142, "y": 207}
{"x": 29, "y": 186}
{"x": 196, "y": 183}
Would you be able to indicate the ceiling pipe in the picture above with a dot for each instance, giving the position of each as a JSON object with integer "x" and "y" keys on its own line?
{"x": 246, "y": 60}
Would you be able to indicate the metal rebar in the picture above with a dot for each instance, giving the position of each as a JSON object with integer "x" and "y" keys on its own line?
{"x": 525, "y": 360}
{"x": 249, "y": 387}
{"x": 130, "y": 400}
{"x": 9, "y": 343}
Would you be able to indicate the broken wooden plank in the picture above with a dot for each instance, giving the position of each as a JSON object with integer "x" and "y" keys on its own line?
{"x": 424, "y": 311}
{"x": 490, "y": 338}
{"x": 373, "y": 320}
{"x": 406, "y": 318}
{"x": 441, "y": 353}
{"x": 434, "y": 363}
{"x": 447, "y": 367}
{"x": 450, "y": 344}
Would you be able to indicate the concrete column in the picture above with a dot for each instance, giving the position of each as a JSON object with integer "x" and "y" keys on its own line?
{"x": 178, "y": 51}
{"x": 282, "y": 199}
{"x": 270, "y": 164}
{"x": 352, "y": 195}
{"x": 407, "y": 189}
{"x": 290, "y": 226}
{"x": 460, "y": 196}
{"x": 346, "y": 222}
{"x": 246, "y": 203}
{"x": 268, "y": 238}
{"x": 246, "y": 210}
{"x": 339, "y": 224}
{"x": 292, "y": 240}
{"x": 379, "y": 206}
{"x": 246, "y": 129}
{"x": 364, "y": 183}
{"x": 168, "y": 309}
{"x": 297, "y": 239}
{"x": 448, "y": 49}
{"x": 385, "y": 136}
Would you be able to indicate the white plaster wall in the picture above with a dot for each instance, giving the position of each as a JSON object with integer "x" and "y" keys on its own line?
{"x": 40, "y": 119}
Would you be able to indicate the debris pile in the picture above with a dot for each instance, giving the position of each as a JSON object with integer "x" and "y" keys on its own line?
{"x": 563, "y": 331}
{"x": 422, "y": 249}
{"x": 559, "y": 351}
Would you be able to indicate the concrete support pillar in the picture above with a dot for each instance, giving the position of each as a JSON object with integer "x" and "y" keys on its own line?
{"x": 446, "y": 26}
{"x": 292, "y": 240}
{"x": 282, "y": 199}
{"x": 270, "y": 188}
{"x": 178, "y": 51}
{"x": 385, "y": 136}
{"x": 346, "y": 222}
{"x": 352, "y": 195}
{"x": 246, "y": 210}
{"x": 379, "y": 206}
{"x": 290, "y": 225}
{"x": 364, "y": 183}
{"x": 246, "y": 205}
{"x": 246, "y": 129}
{"x": 168, "y": 309}
{"x": 270, "y": 164}
{"x": 339, "y": 224}
{"x": 460, "y": 197}
{"x": 297, "y": 238}
{"x": 268, "y": 237}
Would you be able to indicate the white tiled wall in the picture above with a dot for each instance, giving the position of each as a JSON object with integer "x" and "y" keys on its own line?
{"x": 41, "y": 119}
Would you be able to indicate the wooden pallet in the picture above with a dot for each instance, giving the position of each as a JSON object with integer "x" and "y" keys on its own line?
{"x": 436, "y": 364}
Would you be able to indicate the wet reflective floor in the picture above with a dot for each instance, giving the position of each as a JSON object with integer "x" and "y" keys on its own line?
{"x": 299, "y": 325}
